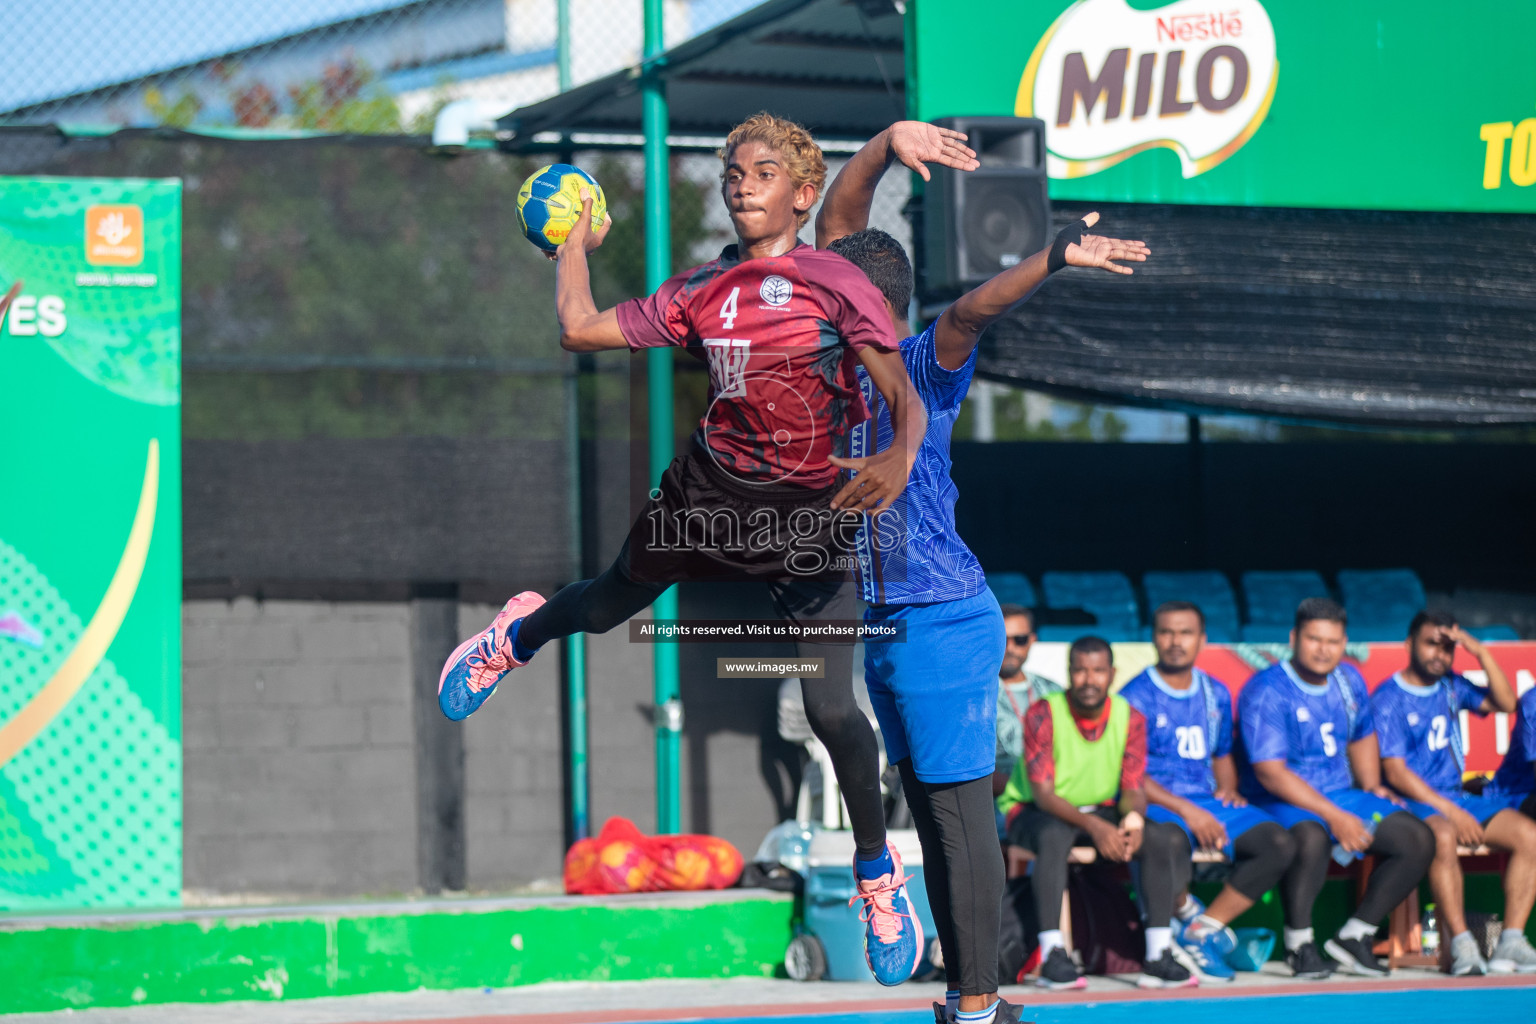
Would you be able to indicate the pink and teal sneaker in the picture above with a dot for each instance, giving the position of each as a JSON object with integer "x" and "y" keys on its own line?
{"x": 893, "y": 939}
{"x": 471, "y": 673}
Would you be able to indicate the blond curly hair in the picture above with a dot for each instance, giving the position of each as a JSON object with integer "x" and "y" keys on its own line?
{"x": 802, "y": 157}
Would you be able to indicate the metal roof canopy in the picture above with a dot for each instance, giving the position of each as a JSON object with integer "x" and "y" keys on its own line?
{"x": 835, "y": 66}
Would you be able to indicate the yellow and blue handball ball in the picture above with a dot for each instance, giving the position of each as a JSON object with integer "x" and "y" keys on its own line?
{"x": 549, "y": 204}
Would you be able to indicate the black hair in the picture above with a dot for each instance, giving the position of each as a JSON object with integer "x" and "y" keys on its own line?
{"x": 1010, "y": 610}
{"x": 1179, "y": 606}
{"x": 1090, "y": 645}
{"x": 1443, "y": 619}
{"x": 883, "y": 261}
{"x": 1315, "y": 609}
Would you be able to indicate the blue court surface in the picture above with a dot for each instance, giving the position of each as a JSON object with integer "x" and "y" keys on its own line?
{"x": 1512, "y": 1005}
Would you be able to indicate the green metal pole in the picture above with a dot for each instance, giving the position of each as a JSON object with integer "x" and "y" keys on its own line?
{"x": 576, "y": 644}
{"x": 658, "y": 267}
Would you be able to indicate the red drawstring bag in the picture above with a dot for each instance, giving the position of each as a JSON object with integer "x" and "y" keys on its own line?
{"x": 621, "y": 858}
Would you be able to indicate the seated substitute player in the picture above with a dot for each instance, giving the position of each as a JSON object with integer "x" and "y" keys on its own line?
{"x": 1017, "y": 689}
{"x": 1082, "y": 748}
{"x": 1312, "y": 765}
{"x": 935, "y": 694}
{"x": 1192, "y": 783}
{"x": 1418, "y": 722}
{"x": 782, "y": 327}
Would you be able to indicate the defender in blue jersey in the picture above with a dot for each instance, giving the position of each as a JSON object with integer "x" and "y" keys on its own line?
{"x": 1192, "y": 783}
{"x": 1418, "y": 723}
{"x": 935, "y": 695}
{"x": 1312, "y": 764}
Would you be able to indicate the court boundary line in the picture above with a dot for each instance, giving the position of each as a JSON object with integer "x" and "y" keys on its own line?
{"x": 683, "y": 1014}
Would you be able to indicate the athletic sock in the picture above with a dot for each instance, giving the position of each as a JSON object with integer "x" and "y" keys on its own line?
{"x": 978, "y": 1016}
{"x": 1295, "y": 938}
{"x": 1355, "y": 928}
{"x": 1510, "y": 934}
{"x": 520, "y": 652}
{"x": 1158, "y": 941}
{"x": 951, "y": 1003}
{"x": 1048, "y": 941}
{"x": 1202, "y": 926}
{"x": 1189, "y": 909}
{"x": 868, "y": 869}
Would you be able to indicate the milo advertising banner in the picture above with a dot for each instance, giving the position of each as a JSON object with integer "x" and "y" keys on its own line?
{"x": 1404, "y": 105}
{"x": 90, "y": 543}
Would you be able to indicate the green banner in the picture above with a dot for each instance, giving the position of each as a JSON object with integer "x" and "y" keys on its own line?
{"x": 1383, "y": 105}
{"x": 90, "y": 543}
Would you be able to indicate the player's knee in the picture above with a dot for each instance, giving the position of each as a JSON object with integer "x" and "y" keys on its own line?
{"x": 1445, "y": 836}
{"x": 1276, "y": 839}
{"x": 1311, "y": 840}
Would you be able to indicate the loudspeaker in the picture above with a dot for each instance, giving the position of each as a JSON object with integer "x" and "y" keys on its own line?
{"x": 974, "y": 224}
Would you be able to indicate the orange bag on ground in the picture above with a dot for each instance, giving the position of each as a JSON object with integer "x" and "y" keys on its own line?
{"x": 621, "y": 858}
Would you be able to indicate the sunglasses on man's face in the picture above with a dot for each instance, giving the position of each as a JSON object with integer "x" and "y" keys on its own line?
{"x": 1021, "y": 638}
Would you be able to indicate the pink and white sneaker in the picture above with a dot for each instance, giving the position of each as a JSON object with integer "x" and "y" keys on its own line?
{"x": 893, "y": 936}
{"x": 471, "y": 673}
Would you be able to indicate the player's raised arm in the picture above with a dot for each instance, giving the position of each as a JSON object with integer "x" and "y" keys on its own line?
{"x": 962, "y": 323}
{"x": 845, "y": 208}
{"x": 582, "y": 327}
{"x": 881, "y": 478}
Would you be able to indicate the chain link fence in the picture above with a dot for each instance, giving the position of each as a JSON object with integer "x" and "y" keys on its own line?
{"x": 369, "y": 66}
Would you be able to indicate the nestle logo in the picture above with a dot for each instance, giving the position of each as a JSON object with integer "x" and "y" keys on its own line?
{"x": 1183, "y": 28}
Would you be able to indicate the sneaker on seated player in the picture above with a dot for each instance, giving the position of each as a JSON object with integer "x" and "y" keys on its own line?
{"x": 472, "y": 671}
{"x": 1307, "y": 963}
{"x": 893, "y": 936}
{"x": 1203, "y": 947}
{"x": 1513, "y": 954}
{"x": 1059, "y": 973}
{"x": 1166, "y": 972}
{"x": 1466, "y": 959}
{"x": 1356, "y": 956}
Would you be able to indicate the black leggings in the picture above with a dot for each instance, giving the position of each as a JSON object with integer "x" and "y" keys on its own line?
{"x": 598, "y": 605}
{"x": 1403, "y": 846}
{"x": 1051, "y": 839}
{"x": 1260, "y": 858}
{"x": 963, "y": 872}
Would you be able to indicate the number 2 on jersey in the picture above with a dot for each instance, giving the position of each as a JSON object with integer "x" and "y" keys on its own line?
{"x": 728, "y": 310}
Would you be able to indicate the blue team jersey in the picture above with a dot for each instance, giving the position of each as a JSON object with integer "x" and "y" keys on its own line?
{"x": 1185, "y": 729}
{"x": 1515, "y": 776}
{"x": 910, "y": 553}
{"x": 1284, "y": 718}
{"x": 1422, "y": 725}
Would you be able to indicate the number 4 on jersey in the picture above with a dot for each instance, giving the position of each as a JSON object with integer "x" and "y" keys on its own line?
{"x": 728, "y": 310}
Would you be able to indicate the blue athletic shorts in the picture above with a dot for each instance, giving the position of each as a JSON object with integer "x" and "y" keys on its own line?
{"x": 1481, "y": 808}
{"x": 935, "y": 695}
{"x": 1358, "y": 802}
{"x": 1236, "y": 820}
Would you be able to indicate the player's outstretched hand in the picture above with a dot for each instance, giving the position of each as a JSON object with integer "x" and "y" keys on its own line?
{"x": 918, "y": 143}
{"x": 1098, "y": 251}
{"x": 879, "y": 480}
{"x": 583, "y": 234}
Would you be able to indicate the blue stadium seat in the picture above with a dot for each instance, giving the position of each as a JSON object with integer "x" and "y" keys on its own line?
{"x": 1266, "y": 633}
{"x": 1380, "y": 601}
{"x": 1273, "y": 596}
{"x": 1494, "y": 632}
{"x": 1210, "y": 590}
{"x": 1012, "y": 588}
{"x": 1065, "y": 634}
{"x": 1107, "y": 595}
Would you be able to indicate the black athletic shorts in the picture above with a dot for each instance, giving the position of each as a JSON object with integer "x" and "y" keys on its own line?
{"x": 703, "y": 525}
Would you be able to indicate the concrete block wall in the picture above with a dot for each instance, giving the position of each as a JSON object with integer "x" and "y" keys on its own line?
{"x": 302, "y": 757}
{"x": 299, "y": 757}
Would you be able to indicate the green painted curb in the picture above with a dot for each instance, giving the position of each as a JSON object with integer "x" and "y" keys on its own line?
{"x": 327, "y": 952}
